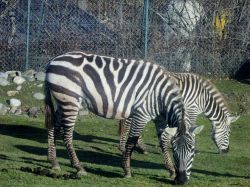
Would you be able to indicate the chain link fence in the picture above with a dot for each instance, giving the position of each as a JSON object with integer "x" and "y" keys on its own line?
{"x": 200, "y": 36}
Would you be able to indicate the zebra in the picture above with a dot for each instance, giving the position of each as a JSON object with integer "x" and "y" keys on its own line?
{"x": 114, "y": 88}
{"x": 199, "y": 96}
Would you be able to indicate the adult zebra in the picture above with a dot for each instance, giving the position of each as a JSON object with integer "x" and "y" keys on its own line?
{"x": 199, "y": 96}
{"x": 114, "y": 88}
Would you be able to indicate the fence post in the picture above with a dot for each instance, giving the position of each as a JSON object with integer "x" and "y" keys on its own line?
{"x": 146, "y": 21}
{"x": 27, "y": 37}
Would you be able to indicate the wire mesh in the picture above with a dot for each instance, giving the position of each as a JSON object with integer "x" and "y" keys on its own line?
{"x": 201, "y": 36}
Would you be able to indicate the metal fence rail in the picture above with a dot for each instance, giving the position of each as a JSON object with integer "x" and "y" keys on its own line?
{"x": 201, "y": 36}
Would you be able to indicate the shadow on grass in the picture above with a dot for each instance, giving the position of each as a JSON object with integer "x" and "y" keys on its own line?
{"x": 24, "y": 132}
{"x": 91, "y": 138}
{"x": 97, "y": 156}
{"x": 94, "y": 157}
{"x": 211, "y": 173}
{"x": 216, "y": 174}
{"x": 208, "y": 152}
{"x": 103, "y": 173}
{"x": 162, "y": 180}
{"x": 40, "y": 134}
{"x": 27, "y": 160}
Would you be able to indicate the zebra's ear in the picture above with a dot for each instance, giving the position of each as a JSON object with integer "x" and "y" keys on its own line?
{"x": 233, "y": 118}
{"x": 196, "y": 129}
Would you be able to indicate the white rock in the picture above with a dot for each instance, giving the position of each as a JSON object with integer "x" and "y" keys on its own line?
{"x": 3, "y": 109}
{"x": 19, "y": 80}
{"x": 15, "y": 102}
{"x": 39, "y": 96}
{"x": 40, "y": 76}
{"x": 1, "y": 105}
{"x": 14, "y": 73}
{"x": 3, "y": 82}
{"x": 12, "y": 93}
{"x": 18, "y": 111}
{"x": 19, "y": 87}
{"x": 3, "y": 75}
{"x": 13, "y": 110}
{"x": 40, "y": 85}
{"x": 29, "y": 73}
{"x": 31, "y": 79}
{"x": 33, "y": 112}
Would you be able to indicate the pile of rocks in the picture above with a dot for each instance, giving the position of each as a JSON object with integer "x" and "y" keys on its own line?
{"x": 13, "y": 105}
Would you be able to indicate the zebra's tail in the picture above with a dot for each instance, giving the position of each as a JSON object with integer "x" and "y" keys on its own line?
{"x": 49, "y": 109}
{"x": 121, "y": 128}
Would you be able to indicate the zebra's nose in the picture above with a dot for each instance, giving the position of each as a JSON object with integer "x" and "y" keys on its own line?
{"x": 224, "y": 150}
{"x": 181, "y": 178}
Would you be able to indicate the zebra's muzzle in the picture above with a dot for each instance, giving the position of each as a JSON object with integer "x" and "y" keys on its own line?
{"x": 181, "y": 178}
{"x": 224, "y": 150}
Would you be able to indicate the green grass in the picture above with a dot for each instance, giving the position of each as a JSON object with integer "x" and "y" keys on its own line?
{"x": 24, "y": 144}
{"x": 236, "y": 94}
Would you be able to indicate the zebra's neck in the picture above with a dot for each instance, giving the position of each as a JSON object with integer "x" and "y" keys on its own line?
{"x": 172, "y": 103}
{"x": 200, "y": 96}
{"x": 215, "y": 106}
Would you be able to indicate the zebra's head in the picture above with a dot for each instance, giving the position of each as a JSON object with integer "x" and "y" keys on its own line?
{"x": 221, "y": 133}
{"x": 183, "y": 152}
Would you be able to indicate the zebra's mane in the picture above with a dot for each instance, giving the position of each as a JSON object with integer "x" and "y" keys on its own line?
{"x": 211, "y": 87}
{"x": 212, "y": 90}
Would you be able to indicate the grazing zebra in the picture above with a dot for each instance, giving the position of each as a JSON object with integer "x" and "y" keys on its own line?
{"x": 199, "y": 96}
{"x": 114, "y": 88}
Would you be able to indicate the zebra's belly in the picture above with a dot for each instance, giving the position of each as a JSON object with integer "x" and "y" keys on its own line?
{"x": 108, "y": 110}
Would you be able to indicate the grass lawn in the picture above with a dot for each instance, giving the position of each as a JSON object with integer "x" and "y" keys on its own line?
{"x": 24, "y": 144}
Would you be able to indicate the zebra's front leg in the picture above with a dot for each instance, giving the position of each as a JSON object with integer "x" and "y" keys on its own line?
{"x": 136, "y": 127}
{"x": 166, "y": 146}
{"x": 68, "y": 141}
{"x": 126, "y": 159}
{"x": 52, "y": 149}
{"x": 165, "y": 135}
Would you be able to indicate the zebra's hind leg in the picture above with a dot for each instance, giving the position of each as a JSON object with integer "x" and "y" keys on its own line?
{"x": 68, "y": 141}
{"x": 52, "y": 149}
{"x": 140, "y": 146}
{"x": 124, "y": 127}
{"x": 67, "y": 114}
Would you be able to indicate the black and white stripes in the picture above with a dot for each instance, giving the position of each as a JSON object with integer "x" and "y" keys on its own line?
{"x": 201, "y": 96}
{"x": 112, "y": 88}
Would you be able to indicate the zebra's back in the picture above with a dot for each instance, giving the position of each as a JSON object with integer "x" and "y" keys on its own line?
{"x": 111, "y": 87}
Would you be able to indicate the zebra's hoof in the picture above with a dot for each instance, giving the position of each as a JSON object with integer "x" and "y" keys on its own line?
{"x": 172, "y": 174}
{"x": 145, "y": 152}
{"x": 128, "y": 175}
{"x": 141, "y": 150}
{"x": 81, "y": 173}
{"x": 56, "y": 168}
{"x": 121, "y": 149}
